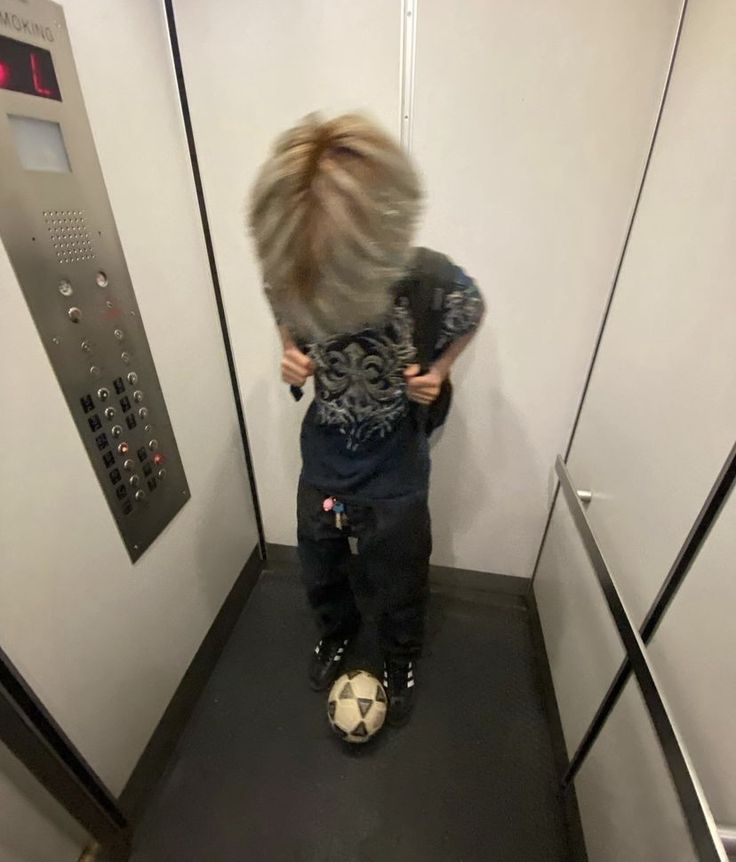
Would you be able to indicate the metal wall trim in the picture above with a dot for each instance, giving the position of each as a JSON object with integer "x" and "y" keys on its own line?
{"x": 408, "y": 64}
{"x": 702, "y": 826}
{"x": 728, "y": 836}
{"x": 29, "y": 731}
{"x": 207, "y": 234}
{"x": 690, "y": 549}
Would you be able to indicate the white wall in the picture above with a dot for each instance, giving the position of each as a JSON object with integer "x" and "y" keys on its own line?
{"x": 105, "y": 643}
{"x": 532, "y": 123}
{"x": 33, "y": 826}
{"x": 655, "y": 429}
{"x": 289, "y": 59}
{"x": 660, "y": 415}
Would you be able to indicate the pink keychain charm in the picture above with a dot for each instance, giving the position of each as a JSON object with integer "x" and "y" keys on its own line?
{"x": 327, "y": 504}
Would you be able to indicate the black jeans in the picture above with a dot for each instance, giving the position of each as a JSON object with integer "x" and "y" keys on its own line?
{"x": 394, "y": 544}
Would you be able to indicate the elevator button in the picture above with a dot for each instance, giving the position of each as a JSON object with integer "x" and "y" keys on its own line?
{"x": 153, "y": 444}
{"x": 103, "y": 393}
{"x": 87, "y": 345}
{"x": 162, "y": 473}
{"x": 135, "y": 480}
{"x": 132, "y": 378}
{"x": 119, "y": 334}
{"x": 125, "y": 356}
{"x": 95, "y": 371}
{"x": 140, "y": 495}
{"x": 109, "y": 412}
{"x": 128, "y": 465}
{"x": 74, "y": 314}
{"x": 116, "y": 430}
{"x": 143, "y": 412}
{"x": 65, "y": 288}
{"x": 101, "y": 279}
{"x": 138, "y": 396}
{"x": 123, "y": 448}
{"x": 148, "y": 428}
{"x": 158, "y": 458}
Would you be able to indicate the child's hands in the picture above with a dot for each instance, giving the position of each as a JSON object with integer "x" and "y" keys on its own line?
{"x": 423, "y": 389}
{"x": 296, "y": 366}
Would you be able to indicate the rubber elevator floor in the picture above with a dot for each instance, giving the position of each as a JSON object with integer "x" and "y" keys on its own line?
{"x": 259, "y": 775}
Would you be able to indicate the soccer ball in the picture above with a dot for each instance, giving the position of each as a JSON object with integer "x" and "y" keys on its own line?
{"x": 356, "y": 706}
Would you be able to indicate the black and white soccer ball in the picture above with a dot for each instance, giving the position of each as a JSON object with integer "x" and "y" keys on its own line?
{"x": 357, "y": 706}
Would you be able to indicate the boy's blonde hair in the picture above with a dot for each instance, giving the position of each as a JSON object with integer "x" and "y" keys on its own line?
{"x": 333, "y": 214}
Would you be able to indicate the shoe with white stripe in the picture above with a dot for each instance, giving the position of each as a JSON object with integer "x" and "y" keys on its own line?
{"x": 399, "y": 682}
{"x": 326, "y": 661}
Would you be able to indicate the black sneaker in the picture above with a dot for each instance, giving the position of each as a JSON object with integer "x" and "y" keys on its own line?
{"x": 326, "y": 661}
{"x": 398, "y": 680}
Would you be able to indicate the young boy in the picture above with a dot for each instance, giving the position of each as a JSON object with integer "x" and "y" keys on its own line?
{"x": 333, "y": 215}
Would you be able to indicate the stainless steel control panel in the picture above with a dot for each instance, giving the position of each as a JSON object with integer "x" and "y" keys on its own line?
{"x": 60, "y": 235}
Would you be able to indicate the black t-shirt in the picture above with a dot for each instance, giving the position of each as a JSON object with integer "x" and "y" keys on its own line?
{"x": 359, "y": 440}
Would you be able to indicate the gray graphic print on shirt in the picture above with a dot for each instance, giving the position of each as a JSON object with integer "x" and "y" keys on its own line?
{"x": 359, "y": 379}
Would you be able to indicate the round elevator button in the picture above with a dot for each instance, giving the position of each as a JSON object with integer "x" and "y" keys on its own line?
{"x": 109, "y": 412}
{"x": 103, "y": 393}
{"x": 128, "y": 465}
{"x": 140, "y": 495}
{"x": 74, "y": 314}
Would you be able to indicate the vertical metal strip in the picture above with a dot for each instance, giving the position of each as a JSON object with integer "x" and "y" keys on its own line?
{"x": 617, "y": 274}
{"x": 196, "y": 173}
{"x": 408, "y": 61}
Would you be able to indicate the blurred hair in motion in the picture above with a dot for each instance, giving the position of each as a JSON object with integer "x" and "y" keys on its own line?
{"x": 333, "y": 213}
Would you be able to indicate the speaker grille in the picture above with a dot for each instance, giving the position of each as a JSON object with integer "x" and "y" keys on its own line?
{"x": 69, "y": 235}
